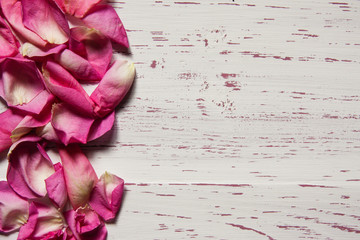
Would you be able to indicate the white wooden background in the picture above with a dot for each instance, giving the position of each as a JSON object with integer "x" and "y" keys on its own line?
{"x": 243, "y": 122}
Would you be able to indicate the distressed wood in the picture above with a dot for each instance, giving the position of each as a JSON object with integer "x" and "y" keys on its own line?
{"x": 243, "y": 122}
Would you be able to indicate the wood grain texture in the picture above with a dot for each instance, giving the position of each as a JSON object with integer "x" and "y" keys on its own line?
{"x": 243, "y": 122}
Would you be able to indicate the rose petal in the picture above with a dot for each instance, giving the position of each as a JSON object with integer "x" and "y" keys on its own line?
{"x": 21, "y": 87}
{"x": 28, "y": 168}
{"x": 14, "y": 210}
{"x": 79, "y": 67}
{"x": 44, "y": 221}
{"x": 9, "y": 120}
{"x": 48, "y": 132}
{"x": 12, "y": 9}
{"x": 45, "y": 19}
{"x": 101, "y": 126}
{"x": 69, "y": 126}
{"x": 32, "y": 51}
{"x": 76, "y": 8}
{"x": 30, "y": 122}
{"x": 80, "y": 177}
{"x": 107, "y": 195}
{"x": 8, "y": 43}
{"x": 86, "y": 224}
{"x": 68, "y": 89}
{"x": 93, "y": 46}
{"x": 113, "y": 87}
{"x": 113, "y": 29}
{"x": 56, "y": 187}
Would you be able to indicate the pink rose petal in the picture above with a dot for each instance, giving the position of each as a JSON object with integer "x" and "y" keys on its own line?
{"x": 9, "y": 120}
{"x": 86, "y": 224}
{"x": 45, "y": 221}
{"x": 32, "y": 51}
{"x": 93, "y": 46}
{"x": 56, "y": 187}
{"x": 12, "y": 9}
{"x": 107, "y": 195}
{"x": 45, "y": 19}
{"x": 69, "y": 126}
{"x": 14, "y": 210}
{"x": 8, "y": 43}
{"x": 113, "y": 29}
{"x": 63, "y": 85}
{"x": 76, "y": 8}
{"x": 28, "y": 168}
{"x": 30, "y": 122}
{"x": 79, "y": 67}
{"x": 101, "y": 126}
{"x": 80, "y": 177}
{"x": 113, "y": 87}
{"x": 22, "y": 89}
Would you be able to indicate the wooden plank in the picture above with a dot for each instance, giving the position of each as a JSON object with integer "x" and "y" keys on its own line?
{"x": 243, "y": 122}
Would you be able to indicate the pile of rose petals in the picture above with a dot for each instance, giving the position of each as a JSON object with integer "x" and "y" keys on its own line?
{"x": 43, "y": 64}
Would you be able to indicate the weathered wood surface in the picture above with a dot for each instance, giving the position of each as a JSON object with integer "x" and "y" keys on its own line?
{"x": 243, "y": 122}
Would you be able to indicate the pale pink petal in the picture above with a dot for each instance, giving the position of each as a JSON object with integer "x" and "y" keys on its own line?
{"x": 69, "y": 126}
{"x": 113, "y": 87}
{"x": 79, "y": 67}
{"x": 9, "y": 120}
{"x": 56, "y": 188}
{"x": 45, "y": 221}
{"x": 107, "y": 195}
{"x": 28, "y": 168}
{"x": 86, "y": 224}
{"x": 93, "y": 46}
{"x": 32, "y": 51}
{"x": 12, "y": 9}
{"x": 113, "y": 27}
{"x": 45, "y": 19}
{"x": 76, "y": 8}
{"x": 19, "y": 88}
{"x": 101, "y": 126}
{"x": 63, "y": 85}
{"x": 14, "y": 210}
{"x": 9, "y": 45}
{"x": 80, "y": 177}
{"x": 38, "y": 103}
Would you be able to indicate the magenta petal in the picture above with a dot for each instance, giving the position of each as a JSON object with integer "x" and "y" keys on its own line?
{"x": 28, "y": 168}
{"x": 56, "y": 188}
{"x": 80, "y": 177}
{"x": 67, "y": 88}
{"x": 12, "y": 9}
{"x": 45, "y": 19}
{"x": 101, "y": 126}
{"x": 19, "y": 88}
{"x": 107, "y": 195}
{"x": 69, "y": 126}
{"x": 9, "y": 120}
{"x": 113, "y": 87}
{"x": 9, "y": 45}
{"x": 86, "y": 224}
{"x": 76, "y": 8}
{"x": 14, "y": 210}
{"x": 93, "y": 46}
{"x": 113, "y": 29}
{"x": 79, "y": 67}
{"x": 44, "y": 221}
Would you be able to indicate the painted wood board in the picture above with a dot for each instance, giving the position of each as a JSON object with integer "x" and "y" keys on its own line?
{"x": 243, "y": 122}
